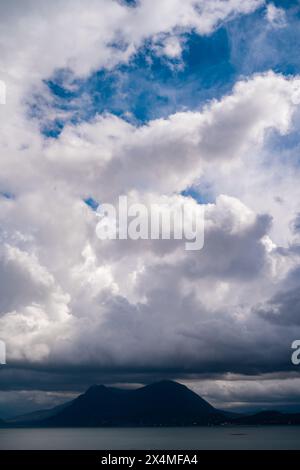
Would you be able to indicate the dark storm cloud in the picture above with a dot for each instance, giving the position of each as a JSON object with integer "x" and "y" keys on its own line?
{"x": 283, "y": 308}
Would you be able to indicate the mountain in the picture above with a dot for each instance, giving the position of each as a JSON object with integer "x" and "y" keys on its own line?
{"x": 161, "y": 404}
{"x": 36, "y": 416}
{"x": 270, "y": 418}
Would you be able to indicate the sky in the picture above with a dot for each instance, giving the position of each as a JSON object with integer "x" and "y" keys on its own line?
{"x": 195, "y": 101}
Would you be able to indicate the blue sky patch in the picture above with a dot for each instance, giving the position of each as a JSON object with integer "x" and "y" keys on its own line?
{"x": 6, "y": 195}
{"x": 152, "y": 86}
{"x": 90, "y": 202}
{"x": 200, "y": 196}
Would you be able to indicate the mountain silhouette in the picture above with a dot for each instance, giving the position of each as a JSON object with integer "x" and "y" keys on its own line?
{"x": 164, "y": 403}
{"x": 36, "y": 416}
{"x": 161, "y": 404}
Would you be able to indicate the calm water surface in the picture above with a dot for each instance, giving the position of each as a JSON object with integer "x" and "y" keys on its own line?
{"x": 277, "y": 437}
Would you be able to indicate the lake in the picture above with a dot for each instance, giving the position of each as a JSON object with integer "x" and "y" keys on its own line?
{"x": 193, "y": 438}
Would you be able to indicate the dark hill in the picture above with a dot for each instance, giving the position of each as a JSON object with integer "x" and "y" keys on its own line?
{"x": 270, "y": 418}
{"x": 160, "y": 404}
{"x": 36, "y": 416}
